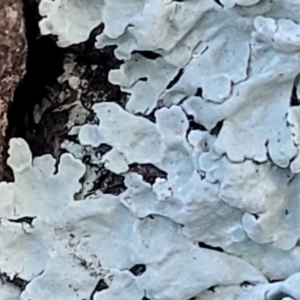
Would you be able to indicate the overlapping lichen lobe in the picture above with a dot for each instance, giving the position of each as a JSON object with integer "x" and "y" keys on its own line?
{"x": 13, "y": 50}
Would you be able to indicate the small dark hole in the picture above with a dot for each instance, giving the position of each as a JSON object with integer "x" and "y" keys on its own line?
{"x": 101, "y": 285}
{"x": 109, "y": 183}
{"x": 212, "y": 288}
{"x": 148, "y": 54}
{"x": 18, "y": 282}
{"x": 275, "y": 280}
{"x": 245, "y": 284}
{"x": 196, "y": 126}
{"x": 199, "y": 92}
{"x": 27, "y": 220}
{"x": 256, "y": 216}
{"x": 294, "y": 99}
{"x": 148, "y": 171}
{"x": 193, "y": 125}
{"x": 86, "y": 159}
{"x": 144, "y": 79}
{"x": 219, "y": 3}
{"x": 102, "y": 149}
{"x": 138, "y": 270}
{"x": 203, "y": 245}
{"x": 286, "y": 212}
{"x": 216, "y": 130}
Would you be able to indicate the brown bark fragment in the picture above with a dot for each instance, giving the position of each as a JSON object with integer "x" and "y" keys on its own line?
{"x": 13, "y": 50}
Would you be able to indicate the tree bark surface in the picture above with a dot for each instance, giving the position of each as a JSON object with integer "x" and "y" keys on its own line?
{"x": 13, "y": 50}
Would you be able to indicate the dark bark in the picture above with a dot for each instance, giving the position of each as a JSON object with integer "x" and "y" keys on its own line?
{"x": 13, "y": 50}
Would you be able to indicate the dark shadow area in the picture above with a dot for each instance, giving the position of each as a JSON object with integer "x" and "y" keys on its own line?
{"x": 44, "y": 64}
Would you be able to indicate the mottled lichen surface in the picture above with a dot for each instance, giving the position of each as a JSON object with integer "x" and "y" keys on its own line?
{"x": 212, "y": 109}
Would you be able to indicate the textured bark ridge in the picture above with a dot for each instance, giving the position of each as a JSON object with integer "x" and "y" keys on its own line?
{"x": 13, "y": 49}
